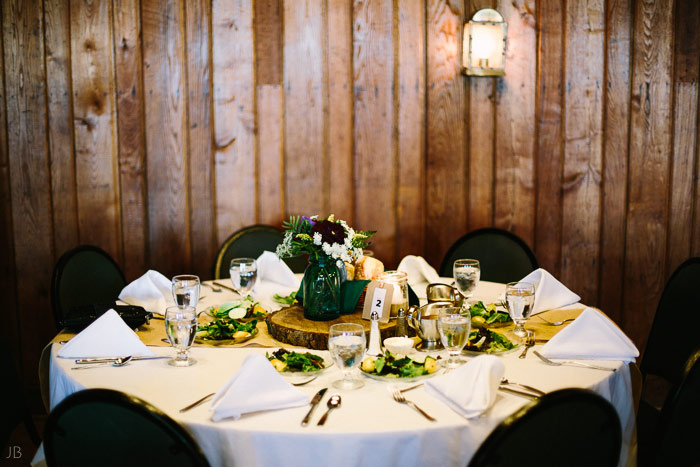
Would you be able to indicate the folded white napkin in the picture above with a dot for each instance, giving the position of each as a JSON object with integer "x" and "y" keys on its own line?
{"x": 591, "y": 336}
{"x": 271, "y": 268}
{"x": 470, "y": 389}
{"x": 153, "y": 291}
{"x": 254, "y": 387}
{"x": 107, "y": 336}
{"x": 418, "y": 270}
{"x": 549, "y": 292}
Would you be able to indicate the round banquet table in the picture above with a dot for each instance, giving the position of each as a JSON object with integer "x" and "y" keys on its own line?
{"x": 369, "y": 428}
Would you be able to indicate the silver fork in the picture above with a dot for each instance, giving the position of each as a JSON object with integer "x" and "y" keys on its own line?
{"x": 399, "y": 397}
{"x": 555, "y": 323}
{"x": 571, "y": 363}
{"x": 215, "y": 289}
{"x": 529, "y": 342}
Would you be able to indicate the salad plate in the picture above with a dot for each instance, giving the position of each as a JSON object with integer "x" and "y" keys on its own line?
{"x": 290, "y": 363}
{"x": 493, "y": 343}
{"x": 397, "y": 368}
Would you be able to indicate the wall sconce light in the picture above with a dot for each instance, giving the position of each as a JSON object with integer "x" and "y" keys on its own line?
{"x": 484, "y": 47}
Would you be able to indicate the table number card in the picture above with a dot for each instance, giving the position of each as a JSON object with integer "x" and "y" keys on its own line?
{"x": 378, "y": 298}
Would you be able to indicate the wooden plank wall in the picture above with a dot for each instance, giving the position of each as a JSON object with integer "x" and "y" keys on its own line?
{"x": 154, "y": 129}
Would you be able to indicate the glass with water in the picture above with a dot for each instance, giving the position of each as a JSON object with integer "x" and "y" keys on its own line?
{"x": 346, "y": 343}
{"x": 181, "y": 327}
{"x": 186, "y": 288}
{"x": 244, "y": 274}
{"x": 454, "y": 325}
{"x": 520, "y": 298}
{"x": 466, "y": 273}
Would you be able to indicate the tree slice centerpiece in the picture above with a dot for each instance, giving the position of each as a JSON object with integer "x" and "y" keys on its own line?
{"x": 288, "y": 325}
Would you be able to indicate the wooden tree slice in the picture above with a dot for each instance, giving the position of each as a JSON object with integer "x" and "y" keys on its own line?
{"x": 289, "y": 325}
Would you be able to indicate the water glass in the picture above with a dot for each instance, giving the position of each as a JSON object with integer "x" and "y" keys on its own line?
{"x": 244, "y": 274}
{"x": 186, "y": 290}
{"x": 454, "y": 325}
{"x": 181, "y": 327}
{"x": 520, "y": 297}
{"x": 466, "y": 273}
{"x": 346, "y": 343}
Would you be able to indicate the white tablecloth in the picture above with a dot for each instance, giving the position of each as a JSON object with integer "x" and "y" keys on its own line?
{"x": 370, "y": 428}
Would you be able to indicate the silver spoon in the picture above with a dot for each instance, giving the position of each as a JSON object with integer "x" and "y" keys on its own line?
{"x": 333, "y": 402}
{"x": 121, "y": 361}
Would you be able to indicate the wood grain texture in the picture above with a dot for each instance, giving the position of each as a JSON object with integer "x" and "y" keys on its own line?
{"x": 615, "y": 156}
{"x": 340, "y": 110}
{"x": 550, "y": 151}
{"x": 203, "y": 240}
{"x": 94, "y": 124}
{"x": 514, "y": 200}
{"x": 410, "y": 203}
{"x": 373, "y": 83}
{"x": 268, "y": 42}
{"x": 583, "y": 103}
{"x": 131, "y": 132}
{"x": 25, "y": 98}
{"x": 270, "y": 154}
{"x": 60, "y": 129}
{"x": 480, "y": 140}
{"x": 234, "y": 122}
{"x": 166, "y": 135}
{"x": 303, "y": 109}
{"x": 445, "y": 171}
{"x": 650, "y": 152}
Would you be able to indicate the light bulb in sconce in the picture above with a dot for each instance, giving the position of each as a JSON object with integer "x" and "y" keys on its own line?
{"x": 484, "y": 44}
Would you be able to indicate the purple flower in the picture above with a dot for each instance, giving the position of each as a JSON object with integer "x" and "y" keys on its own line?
{"x": 330, "y": 232}
{"x": 309, "y": 220}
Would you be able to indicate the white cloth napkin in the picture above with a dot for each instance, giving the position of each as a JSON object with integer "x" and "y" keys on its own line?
{"x": 470, "y": 389}
{"x": 107, "y": 336}
{"x": 418, "y": 270}
{"x": 254, "y": 387}
{"x": 591, "y": 336}
{"x": 153, "y": 291}
{"x": 549, "y": 292}
{"x": 271, "y": 268}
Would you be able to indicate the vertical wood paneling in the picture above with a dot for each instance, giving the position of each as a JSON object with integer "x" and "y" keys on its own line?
{"x": 410, "y": 209}
{"x": 615, "y": 154}
{"x": 685, "y": 114}
{"x": 268, "y": 42}
{"x": 340, "y": 109}
{"x": 201, "y": 207}
{"x": 373, "y": 82}
{"x": 25, "y": 98}
{"x": 514, "y": 200}
{"x": 166, "y": 138}
{"x": 550, "y": 63}
{"x": 234, "y": 122}
{"x": 650, "y": 152}
{"x": 131, "y": 132}
{"x": 446, "y": 132}
{"x": 270, "y": 155}
{"x": 480, "y": 142}
{"x": 303, "y": 108}
{"x": 60, "y": 128}
{"x": 94, "y": 124}
{"x": 583, "y": 104}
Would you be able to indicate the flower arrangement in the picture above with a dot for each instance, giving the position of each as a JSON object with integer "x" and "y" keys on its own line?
{"x": 325, "y": 237}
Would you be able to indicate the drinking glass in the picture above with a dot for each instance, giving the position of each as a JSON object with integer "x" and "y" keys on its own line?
{"x": 454, "y": 325}
{"x": 181, "y": 327}
{"x": 466, "y": 273}
{"x": 520, "y": 296}
{"x": 244, "y": 274}
{"x": 346, "y": 342}
{"x": 186, "y": 290}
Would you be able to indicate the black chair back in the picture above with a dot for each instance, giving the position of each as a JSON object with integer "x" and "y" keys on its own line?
{"x": 572, "y": 427}
{"x": 504, "y": 257}
{"x": 85, "y": 275}
{"x": 109, "y": 428}
{"x": 251, "y": 242}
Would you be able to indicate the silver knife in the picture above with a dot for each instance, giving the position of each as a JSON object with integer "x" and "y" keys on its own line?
{"x": 110, "y": 359}
{"x": 314, "y": 402}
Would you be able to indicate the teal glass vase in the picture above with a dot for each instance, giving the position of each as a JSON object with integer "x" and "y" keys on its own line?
{"x": 322, "y": 289}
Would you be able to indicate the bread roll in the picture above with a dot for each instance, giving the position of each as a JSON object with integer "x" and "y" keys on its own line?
{"x": 350, "y": 271}
{"x": 368, "y": 268}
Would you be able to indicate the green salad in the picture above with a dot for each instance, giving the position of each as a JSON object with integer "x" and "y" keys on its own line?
{"x": 390, "y": 366}
{"x": 238, "y": 309}
{"x": 487, "y": 314}
{"x": 225, "y": 328}
{"x": 285, "y": 361}
{"x": 487, "y": 341}
{"x": 288, "y": 300}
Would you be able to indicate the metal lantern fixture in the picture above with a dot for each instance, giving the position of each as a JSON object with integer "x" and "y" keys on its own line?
{"x": 484, "y": 48}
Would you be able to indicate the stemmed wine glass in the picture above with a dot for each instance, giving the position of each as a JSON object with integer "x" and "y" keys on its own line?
{"x": 520, "y": 297}
{"x": 244, "y": 274}
{"x": 466, "y": 273}
{"x": 346, "y": 342}
{"x": 454, "y": 324}
{"x": 186, "y": 290}
{"x": 181, "y": 327}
